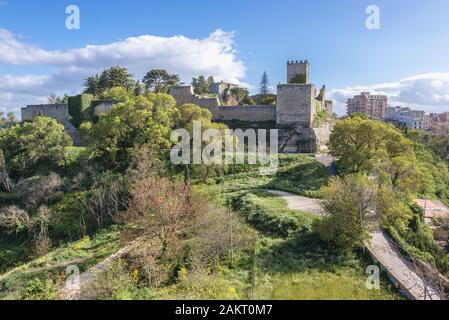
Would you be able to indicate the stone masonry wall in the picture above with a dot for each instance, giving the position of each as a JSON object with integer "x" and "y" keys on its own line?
{"x": 184, "y": 94}
{"x": 295, "y": 68}
{"x": 245, "y": 113}
{"x": 60, "y": 112}
{"x": 296, "y": 105}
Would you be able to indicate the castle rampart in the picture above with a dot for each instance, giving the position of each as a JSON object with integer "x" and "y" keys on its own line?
{"x": 246, "y": 113}
{"x": 60, "y": 112}
{"x": 295, "y": 111}
{"x": 298, "y": 72}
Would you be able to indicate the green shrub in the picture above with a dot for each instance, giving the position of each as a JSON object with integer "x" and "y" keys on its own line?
{"x": 68, "y": 217}
{"x": 38, "y": 289}
{"x": 116, "y": 283}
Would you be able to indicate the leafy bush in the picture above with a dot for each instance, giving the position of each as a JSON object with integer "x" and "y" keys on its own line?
{"x": 117, "y": 283}
{"x": 38, "y": 289}
{"x": 34, "y": 146}
{"x": 39, "y": 190}
{"x": 419, "y": 242}
{"x": 68, "y": 217}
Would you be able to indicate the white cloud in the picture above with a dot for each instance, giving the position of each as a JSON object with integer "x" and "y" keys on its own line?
{"x": 214, "y": 55}
{"x": 428, "y": 92}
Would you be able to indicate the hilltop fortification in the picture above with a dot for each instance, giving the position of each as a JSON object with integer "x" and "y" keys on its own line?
{"x": 298, "y": 104}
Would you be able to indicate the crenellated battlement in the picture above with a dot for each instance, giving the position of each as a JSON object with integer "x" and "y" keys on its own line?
{"x": 298, "y": 72}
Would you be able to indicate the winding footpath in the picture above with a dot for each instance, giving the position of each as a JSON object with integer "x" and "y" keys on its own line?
{"x": 400, "y": 271}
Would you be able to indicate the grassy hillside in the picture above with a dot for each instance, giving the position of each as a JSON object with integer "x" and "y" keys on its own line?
{"x": 39, "y": 278}
{"x": 285, "y": 259}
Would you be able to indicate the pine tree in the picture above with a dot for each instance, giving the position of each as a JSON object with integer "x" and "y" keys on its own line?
{"x": 92, "y": 85}
{"x": 159, "y": 80}
{"x": 264, "y": 84}
{"x": 210, "y": 80}
{"x": 200, "y": 85}
{"x": 116, "y": 77}
{"x": 138, "y": 90}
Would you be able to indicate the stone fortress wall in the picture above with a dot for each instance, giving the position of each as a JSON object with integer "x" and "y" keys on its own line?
{"x": 296, "y": 105}
{"x": 246, "y": 113}
{"x": 185, "y": 94}
{"x": 294, "y": 114}
{"x": 60, "y": 112}
{"x": 298, "y": 68}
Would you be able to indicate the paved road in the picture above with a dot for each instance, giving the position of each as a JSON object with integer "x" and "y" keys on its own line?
{"x": 381, "y": 247}
{"x": 401, "y": 269}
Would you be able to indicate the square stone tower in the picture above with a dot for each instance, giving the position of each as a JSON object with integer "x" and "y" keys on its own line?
{"x": 296, "y": 100}
{"x": 298, "y": 72}
{"x": 296, "y": 105}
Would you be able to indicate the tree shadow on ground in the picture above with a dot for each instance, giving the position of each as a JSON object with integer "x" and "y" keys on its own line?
{"x": 303, "y": 252}
{"x": 303, "y": 179}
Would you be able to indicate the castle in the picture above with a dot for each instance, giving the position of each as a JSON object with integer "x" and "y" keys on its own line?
{"x": 294, "y": 113}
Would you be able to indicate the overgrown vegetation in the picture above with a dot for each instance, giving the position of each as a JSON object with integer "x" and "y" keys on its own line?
{"x": 202, "y": 231}
{"x": 402, "y": 170}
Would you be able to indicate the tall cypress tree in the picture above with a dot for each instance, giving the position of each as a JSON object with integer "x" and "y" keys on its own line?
{"x": 264, "y": 84}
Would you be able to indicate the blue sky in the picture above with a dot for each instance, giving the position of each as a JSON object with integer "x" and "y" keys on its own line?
{"x": 406, "y": 59}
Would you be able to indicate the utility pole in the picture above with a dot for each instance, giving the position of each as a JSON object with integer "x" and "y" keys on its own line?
{"x": 232, "y": 237}
{"x": 187, "y": 183}
{"x": 361, "y": 226}
{"x": 360, "y": 209}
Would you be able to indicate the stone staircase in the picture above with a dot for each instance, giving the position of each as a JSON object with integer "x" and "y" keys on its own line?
{"x": 74, "y": 133}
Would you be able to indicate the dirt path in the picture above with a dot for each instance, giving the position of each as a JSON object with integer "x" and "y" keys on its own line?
{"x": 299, "y": 203}
{"x": 400, "y": 270}
{"x": 86, "y": 278}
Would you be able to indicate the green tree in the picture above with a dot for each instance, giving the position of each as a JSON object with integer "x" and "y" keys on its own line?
{"x": 188, "y": 113}
{"x": 115, "y": 77}
{"x": 37, "y": 144}
{"x": 264, "y": 84}
{"x": 360, "y": 144}
{"x": 210, "y": 81}
{"x": 9, "y": 121}
{"x": 116, "y": 93}
{"x": 200, "y": 85}
{"x": 240, "y": 94}
{"x": 159, "y": 81}
{"x": 108, "y": 79}
{"x": 191, "y": 112}
{"x": 248, "y": 101}
{"x": 92, "y": 85}
{"x": 5, "y": 182}
{"x": 138, "y": 89}
{"x": 54, "y": 99}
{"x": 350, "y": 204}
{"x": 143, "y": 121}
